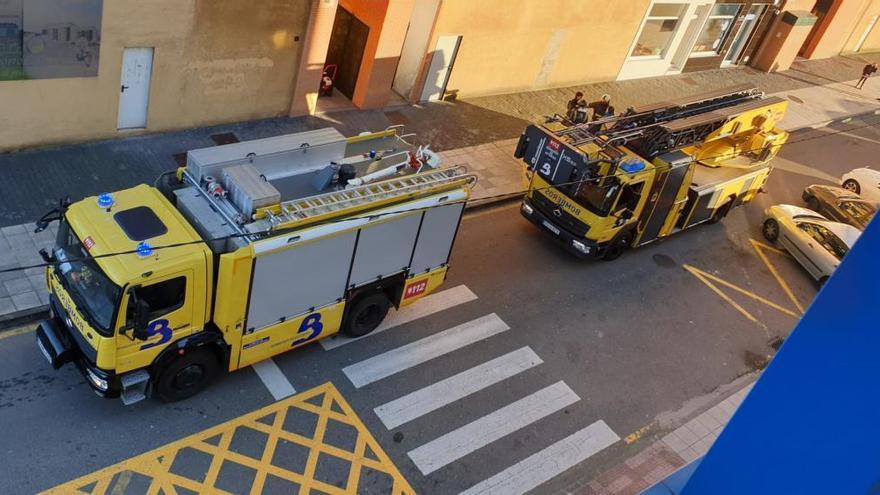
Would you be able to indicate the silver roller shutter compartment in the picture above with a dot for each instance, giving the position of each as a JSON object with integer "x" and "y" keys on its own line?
{"x": 290, "y": 282}
{"x": 384, "y": 249}
{"x": 436, "y": 236}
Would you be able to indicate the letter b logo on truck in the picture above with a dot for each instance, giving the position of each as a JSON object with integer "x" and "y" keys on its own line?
{"x": 157, "y": 327}
{"x": 313, "y": 323}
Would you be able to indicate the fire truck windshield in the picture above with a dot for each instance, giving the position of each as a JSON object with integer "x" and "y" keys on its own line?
{"x": 87, "y": 284}
{"x": 598, "y": 197}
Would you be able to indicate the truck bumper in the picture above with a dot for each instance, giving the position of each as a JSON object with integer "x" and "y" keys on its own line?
{"x": 578, "y": 246}
{"x": 59, "y": 348}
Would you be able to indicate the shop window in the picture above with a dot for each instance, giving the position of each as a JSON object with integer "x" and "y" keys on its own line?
{"x": 659, "y": 29}
{"x": 718, "y": 26}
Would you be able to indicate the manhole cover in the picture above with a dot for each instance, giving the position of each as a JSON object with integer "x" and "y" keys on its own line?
{"x": 664, "y": 260}
{"x": 795, "y": 99}
{"x": 224, "y": 138}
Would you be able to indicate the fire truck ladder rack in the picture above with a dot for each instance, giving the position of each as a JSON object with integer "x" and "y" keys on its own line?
{"x": 664, "y": 127}
{"x": 313, "y": 208}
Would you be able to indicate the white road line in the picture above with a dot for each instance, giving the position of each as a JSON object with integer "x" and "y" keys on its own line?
{"x": 545, "y": 465}
{"x": 420, "y": 351}
{"x": 426, "y": 306}
{"x": 498, "y": 424}
{"x": 273, "y": 378}
{"x": 433, "y": 397}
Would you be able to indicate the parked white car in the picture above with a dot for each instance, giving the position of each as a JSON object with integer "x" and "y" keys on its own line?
{"x": 817, "y": 243}
{"x": 863, "y": 181}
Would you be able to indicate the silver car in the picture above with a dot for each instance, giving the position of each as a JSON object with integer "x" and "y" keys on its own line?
{"x": 817, "y": 243}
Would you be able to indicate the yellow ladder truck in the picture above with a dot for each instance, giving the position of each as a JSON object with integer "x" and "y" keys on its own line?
{"x": 602, "y": 187}
{"x": 252, "y": 249}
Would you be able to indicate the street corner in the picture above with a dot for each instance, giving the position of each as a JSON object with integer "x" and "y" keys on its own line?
{"x": 312, "y": 442}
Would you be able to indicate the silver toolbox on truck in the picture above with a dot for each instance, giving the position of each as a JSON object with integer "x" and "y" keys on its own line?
{"x": 274, "y": 157}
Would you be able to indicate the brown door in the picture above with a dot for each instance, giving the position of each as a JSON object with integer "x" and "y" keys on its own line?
{"x": 346, "y": 50}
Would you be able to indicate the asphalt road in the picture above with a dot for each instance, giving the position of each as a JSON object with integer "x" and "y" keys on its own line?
{"x": 632, "y": 339}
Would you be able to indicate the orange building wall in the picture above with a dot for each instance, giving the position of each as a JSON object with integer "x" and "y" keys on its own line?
{"x": 872, "y": 41}
{"x": 843, "y": 18}
{"x": 514, "y": 45}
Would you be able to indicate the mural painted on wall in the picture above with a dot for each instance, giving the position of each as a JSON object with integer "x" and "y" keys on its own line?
{"x": 48, "y": 39}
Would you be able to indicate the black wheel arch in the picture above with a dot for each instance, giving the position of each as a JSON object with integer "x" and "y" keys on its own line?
{"x": 391, "y": 286}
{"x": 210, "y": 338}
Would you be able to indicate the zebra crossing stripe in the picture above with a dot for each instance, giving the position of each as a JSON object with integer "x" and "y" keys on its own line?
{"x": 420, "y": 351}
{"x": 437, "y": 395}
{"x": 546, "y": 464}
{"x": 498, "y": 424}
{"x": 426, "y": 306}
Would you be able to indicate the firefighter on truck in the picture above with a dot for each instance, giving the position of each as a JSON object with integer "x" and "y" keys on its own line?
{"x": 621, "y": 182}
{"x": 242, "y": 255}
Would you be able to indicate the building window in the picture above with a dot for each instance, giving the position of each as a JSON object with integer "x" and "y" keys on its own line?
{"x": 718, "y": 26}
{"x": 658, "y": 31}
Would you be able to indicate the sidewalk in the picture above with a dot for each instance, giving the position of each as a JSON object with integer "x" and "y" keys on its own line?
{"x": 477, "y": 132}
{"x": 689, "y": 441}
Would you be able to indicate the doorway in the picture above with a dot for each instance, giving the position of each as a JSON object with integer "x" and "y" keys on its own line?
{"x": 820, "y": 10}
{"x": 346, "y": 50}
{"x": 442, "y": 60}
{"x": 746, "y": 29}
{"x": 134, "y": 96}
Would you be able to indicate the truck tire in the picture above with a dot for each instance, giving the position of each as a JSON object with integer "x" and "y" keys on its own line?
{"x": 618, "y": 246}
{"x": 721, "y": 212}
{"x": 366, "y": 313}
{"x": 186, "y": 375}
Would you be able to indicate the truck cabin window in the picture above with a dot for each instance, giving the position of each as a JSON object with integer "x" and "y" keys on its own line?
{"x": 597, "y": 195}
{"x": 162, "y": 297}
{"x": 629, "y": 196}
{"x": 92, "y": 292}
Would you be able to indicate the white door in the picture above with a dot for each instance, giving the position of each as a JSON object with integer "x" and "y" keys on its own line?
{"x": 441, "y": 65}
{"x": 134, "y": 96}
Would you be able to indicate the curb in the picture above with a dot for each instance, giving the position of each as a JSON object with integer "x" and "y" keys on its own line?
{"x": 23, "y": 317}
{"x": 479, "y": 204}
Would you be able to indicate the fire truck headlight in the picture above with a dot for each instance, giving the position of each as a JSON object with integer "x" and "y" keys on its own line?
{"x": 580, "y": 246}
{"x": 97, "y": 380}
{"x": 527, "y": 209}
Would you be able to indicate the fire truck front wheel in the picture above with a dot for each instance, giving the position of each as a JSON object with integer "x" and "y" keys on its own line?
{"x": 187, "y": 375}
{"x": 366, "y": 313}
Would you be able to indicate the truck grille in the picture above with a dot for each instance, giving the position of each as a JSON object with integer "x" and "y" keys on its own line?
{"x": 563, "y": 219}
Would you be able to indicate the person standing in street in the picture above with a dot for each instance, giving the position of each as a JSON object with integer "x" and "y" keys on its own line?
{"x": 867, "y": 72}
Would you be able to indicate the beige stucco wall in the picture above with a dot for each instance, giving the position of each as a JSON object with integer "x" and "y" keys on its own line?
{"x": 839, "y": 29}
{"x": 215, "y": 61}
{"x": 872, "y": 41}
{"x": 514, "y": 45}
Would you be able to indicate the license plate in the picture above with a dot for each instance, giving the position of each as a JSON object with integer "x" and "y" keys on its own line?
{"x": 551, "y": 227}
{"x": 43, "y": 350}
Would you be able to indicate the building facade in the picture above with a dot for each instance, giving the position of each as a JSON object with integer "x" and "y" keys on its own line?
{"x": 76, "y": 70}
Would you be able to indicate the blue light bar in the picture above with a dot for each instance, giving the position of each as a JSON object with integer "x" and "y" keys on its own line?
{"x": 632, "y": 166}
{"x": 105, "y": 200}
{"x": 144, "y": 250}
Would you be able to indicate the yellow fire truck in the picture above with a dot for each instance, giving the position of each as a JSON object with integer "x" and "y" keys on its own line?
{"x": 605, "y": 186}
{"x": 252, "y": 249}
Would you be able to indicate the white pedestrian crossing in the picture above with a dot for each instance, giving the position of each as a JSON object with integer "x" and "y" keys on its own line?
{"x": 546, "y": 464}
{"x": 426, "y": 306}
{"x": 498, "y": 424}
{"x": 449, "y": 390}
{"x": 421, "y": 351}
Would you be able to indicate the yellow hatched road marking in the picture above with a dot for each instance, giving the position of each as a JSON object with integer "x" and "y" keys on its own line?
{"x": 156, "y": 464}
{"x": 711, "y": 280}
